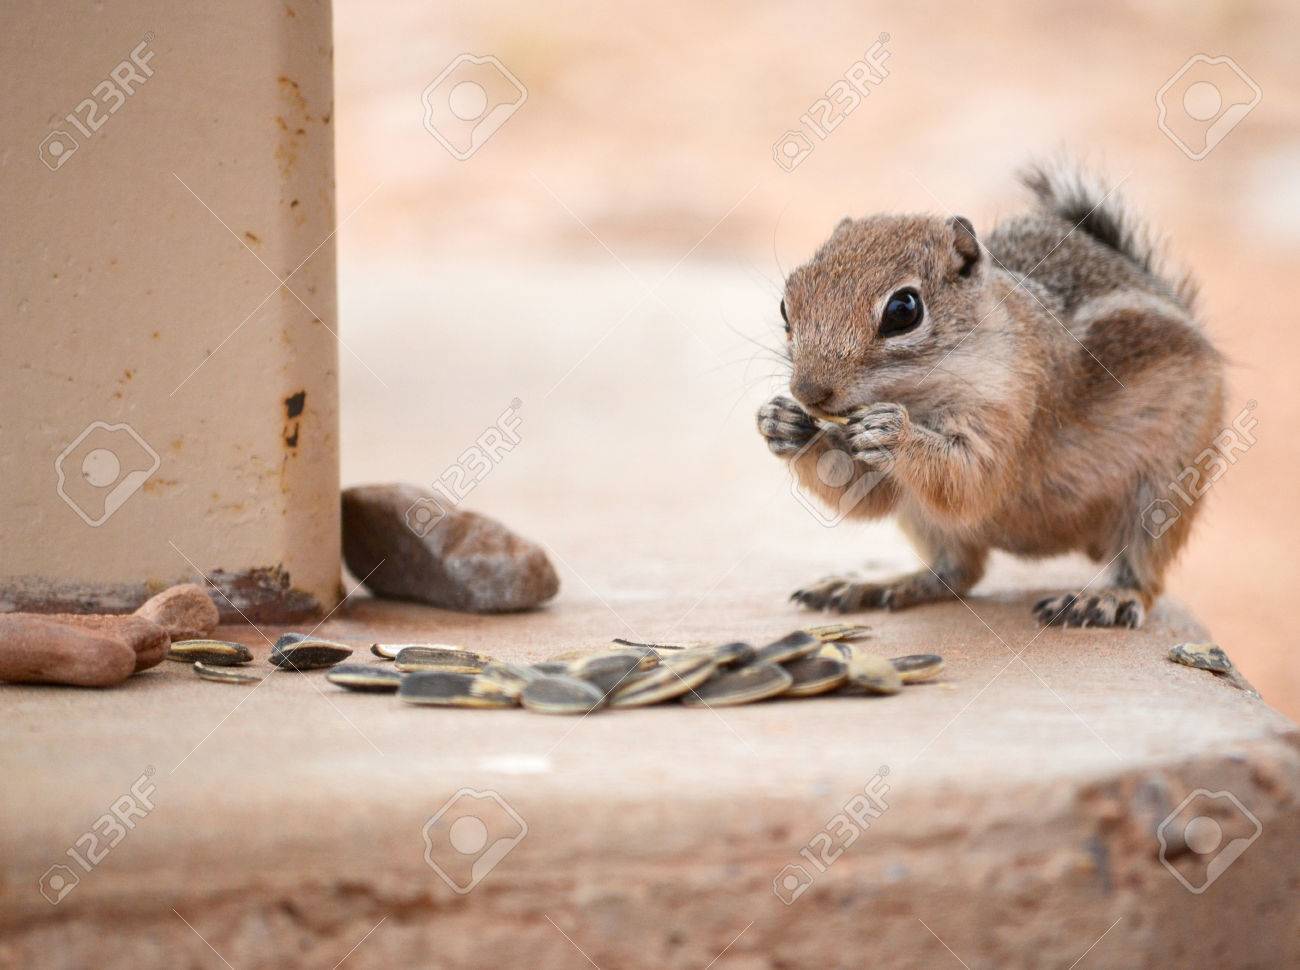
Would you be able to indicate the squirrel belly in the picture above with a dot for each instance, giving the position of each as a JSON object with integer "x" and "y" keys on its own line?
{"x": 1037, "y": 391}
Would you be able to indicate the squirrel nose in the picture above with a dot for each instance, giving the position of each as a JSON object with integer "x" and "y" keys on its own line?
{"x": 809, "y": 392}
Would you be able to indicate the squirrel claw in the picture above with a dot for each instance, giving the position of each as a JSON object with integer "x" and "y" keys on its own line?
{"x": 839, "y": 595}
{"x": 786, "y": 427}
{"x": 1104, "y": 608}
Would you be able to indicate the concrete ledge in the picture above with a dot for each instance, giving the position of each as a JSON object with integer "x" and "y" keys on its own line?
{"x": 1023, "y": 802}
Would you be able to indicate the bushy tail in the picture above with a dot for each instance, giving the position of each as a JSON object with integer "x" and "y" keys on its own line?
{"x": 1070, "y": 193}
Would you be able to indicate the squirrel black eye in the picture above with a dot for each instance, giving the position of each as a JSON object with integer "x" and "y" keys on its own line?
{"x": 785, "y": 317}
{"x": 903, "y": 311}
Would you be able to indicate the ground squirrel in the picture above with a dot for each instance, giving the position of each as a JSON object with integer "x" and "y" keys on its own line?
{"x": 1034, "y": 391}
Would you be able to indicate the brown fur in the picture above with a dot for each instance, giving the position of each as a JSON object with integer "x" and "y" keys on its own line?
{"x": 1054, "y": 388}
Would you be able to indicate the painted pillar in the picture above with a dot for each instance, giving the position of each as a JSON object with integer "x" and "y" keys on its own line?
{"x": 168, "y": 377}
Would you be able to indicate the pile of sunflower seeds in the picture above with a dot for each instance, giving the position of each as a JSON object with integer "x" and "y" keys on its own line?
{"x": 220, "y": 660}
{"x": 806, "y": 663}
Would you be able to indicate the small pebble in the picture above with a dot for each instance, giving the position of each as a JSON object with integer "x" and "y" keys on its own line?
{"x": 1205, "y": 656}
{"x": 36, "y": 650}
{"x": 186, "y": 612}
{"x": 146, "y": 638}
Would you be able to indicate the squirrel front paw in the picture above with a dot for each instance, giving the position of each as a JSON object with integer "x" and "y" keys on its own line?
{"x": 785, "y": 426}
{"x": 876, "y": 433}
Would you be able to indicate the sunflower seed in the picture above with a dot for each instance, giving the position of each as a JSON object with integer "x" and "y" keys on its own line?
{"x": 623, "y": 642}
{"x": 873, "y": 674}
{"x": 606, "y": 672}
{"x": 288, "y": 639}
{"x": 510, "y": 679}
{"x": 1205, "y": 656}
{"x": 558, "y": 694}
{"x": 481, "y": 686}
{"x": 836, "y": 650}
{"x": 389, "y": 651}
{"x": 441, "y": 688}
{"x": 687, "y": 645}
{"x": 450, "y": 659}
{"x": 673, "y": 677}
{"x": 918, "y": 667}
{"x": 308, "y": 654}
{"x": 574, "y": 660}
{"x": 649, "y": 655}
{"x": 826, "y": 416}
{"x": 839, "y": 632}
{"x": 744, "y": 685}
{"x": 551, "y": 667}
{"x": 215, "y": 653}
{"x": 224, "y": 675}
{"x": 792, "y": 646}
{"x": 815, "y": 675}
{"x": 735, "y": 654}
{"x": 647, "y": 658}
{"x": 365, "y": 677}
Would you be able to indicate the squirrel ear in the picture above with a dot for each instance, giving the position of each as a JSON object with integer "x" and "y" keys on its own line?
{"x": 965, "y": 246}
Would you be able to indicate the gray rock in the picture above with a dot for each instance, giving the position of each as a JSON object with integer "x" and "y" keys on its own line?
{"x": 455, "y": 559}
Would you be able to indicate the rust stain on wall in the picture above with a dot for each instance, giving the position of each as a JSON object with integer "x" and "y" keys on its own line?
{"x": 294, "y": 405}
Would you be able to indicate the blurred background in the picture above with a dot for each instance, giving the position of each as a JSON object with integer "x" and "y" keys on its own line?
{"x": 610, "y": 253}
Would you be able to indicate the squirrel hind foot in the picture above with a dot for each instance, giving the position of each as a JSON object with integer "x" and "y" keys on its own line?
{"x": 842, "y": 594}
{"x": 1111, "y": 607}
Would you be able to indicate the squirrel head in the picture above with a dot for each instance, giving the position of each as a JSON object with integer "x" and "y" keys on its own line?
{"x": 879, "y": 306}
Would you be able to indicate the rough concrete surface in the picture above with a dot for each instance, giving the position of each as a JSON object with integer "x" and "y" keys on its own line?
{"x": 1024, "y": 792}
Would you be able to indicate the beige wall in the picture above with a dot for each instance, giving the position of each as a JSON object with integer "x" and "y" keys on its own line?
{"x": 150, "y": 352}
